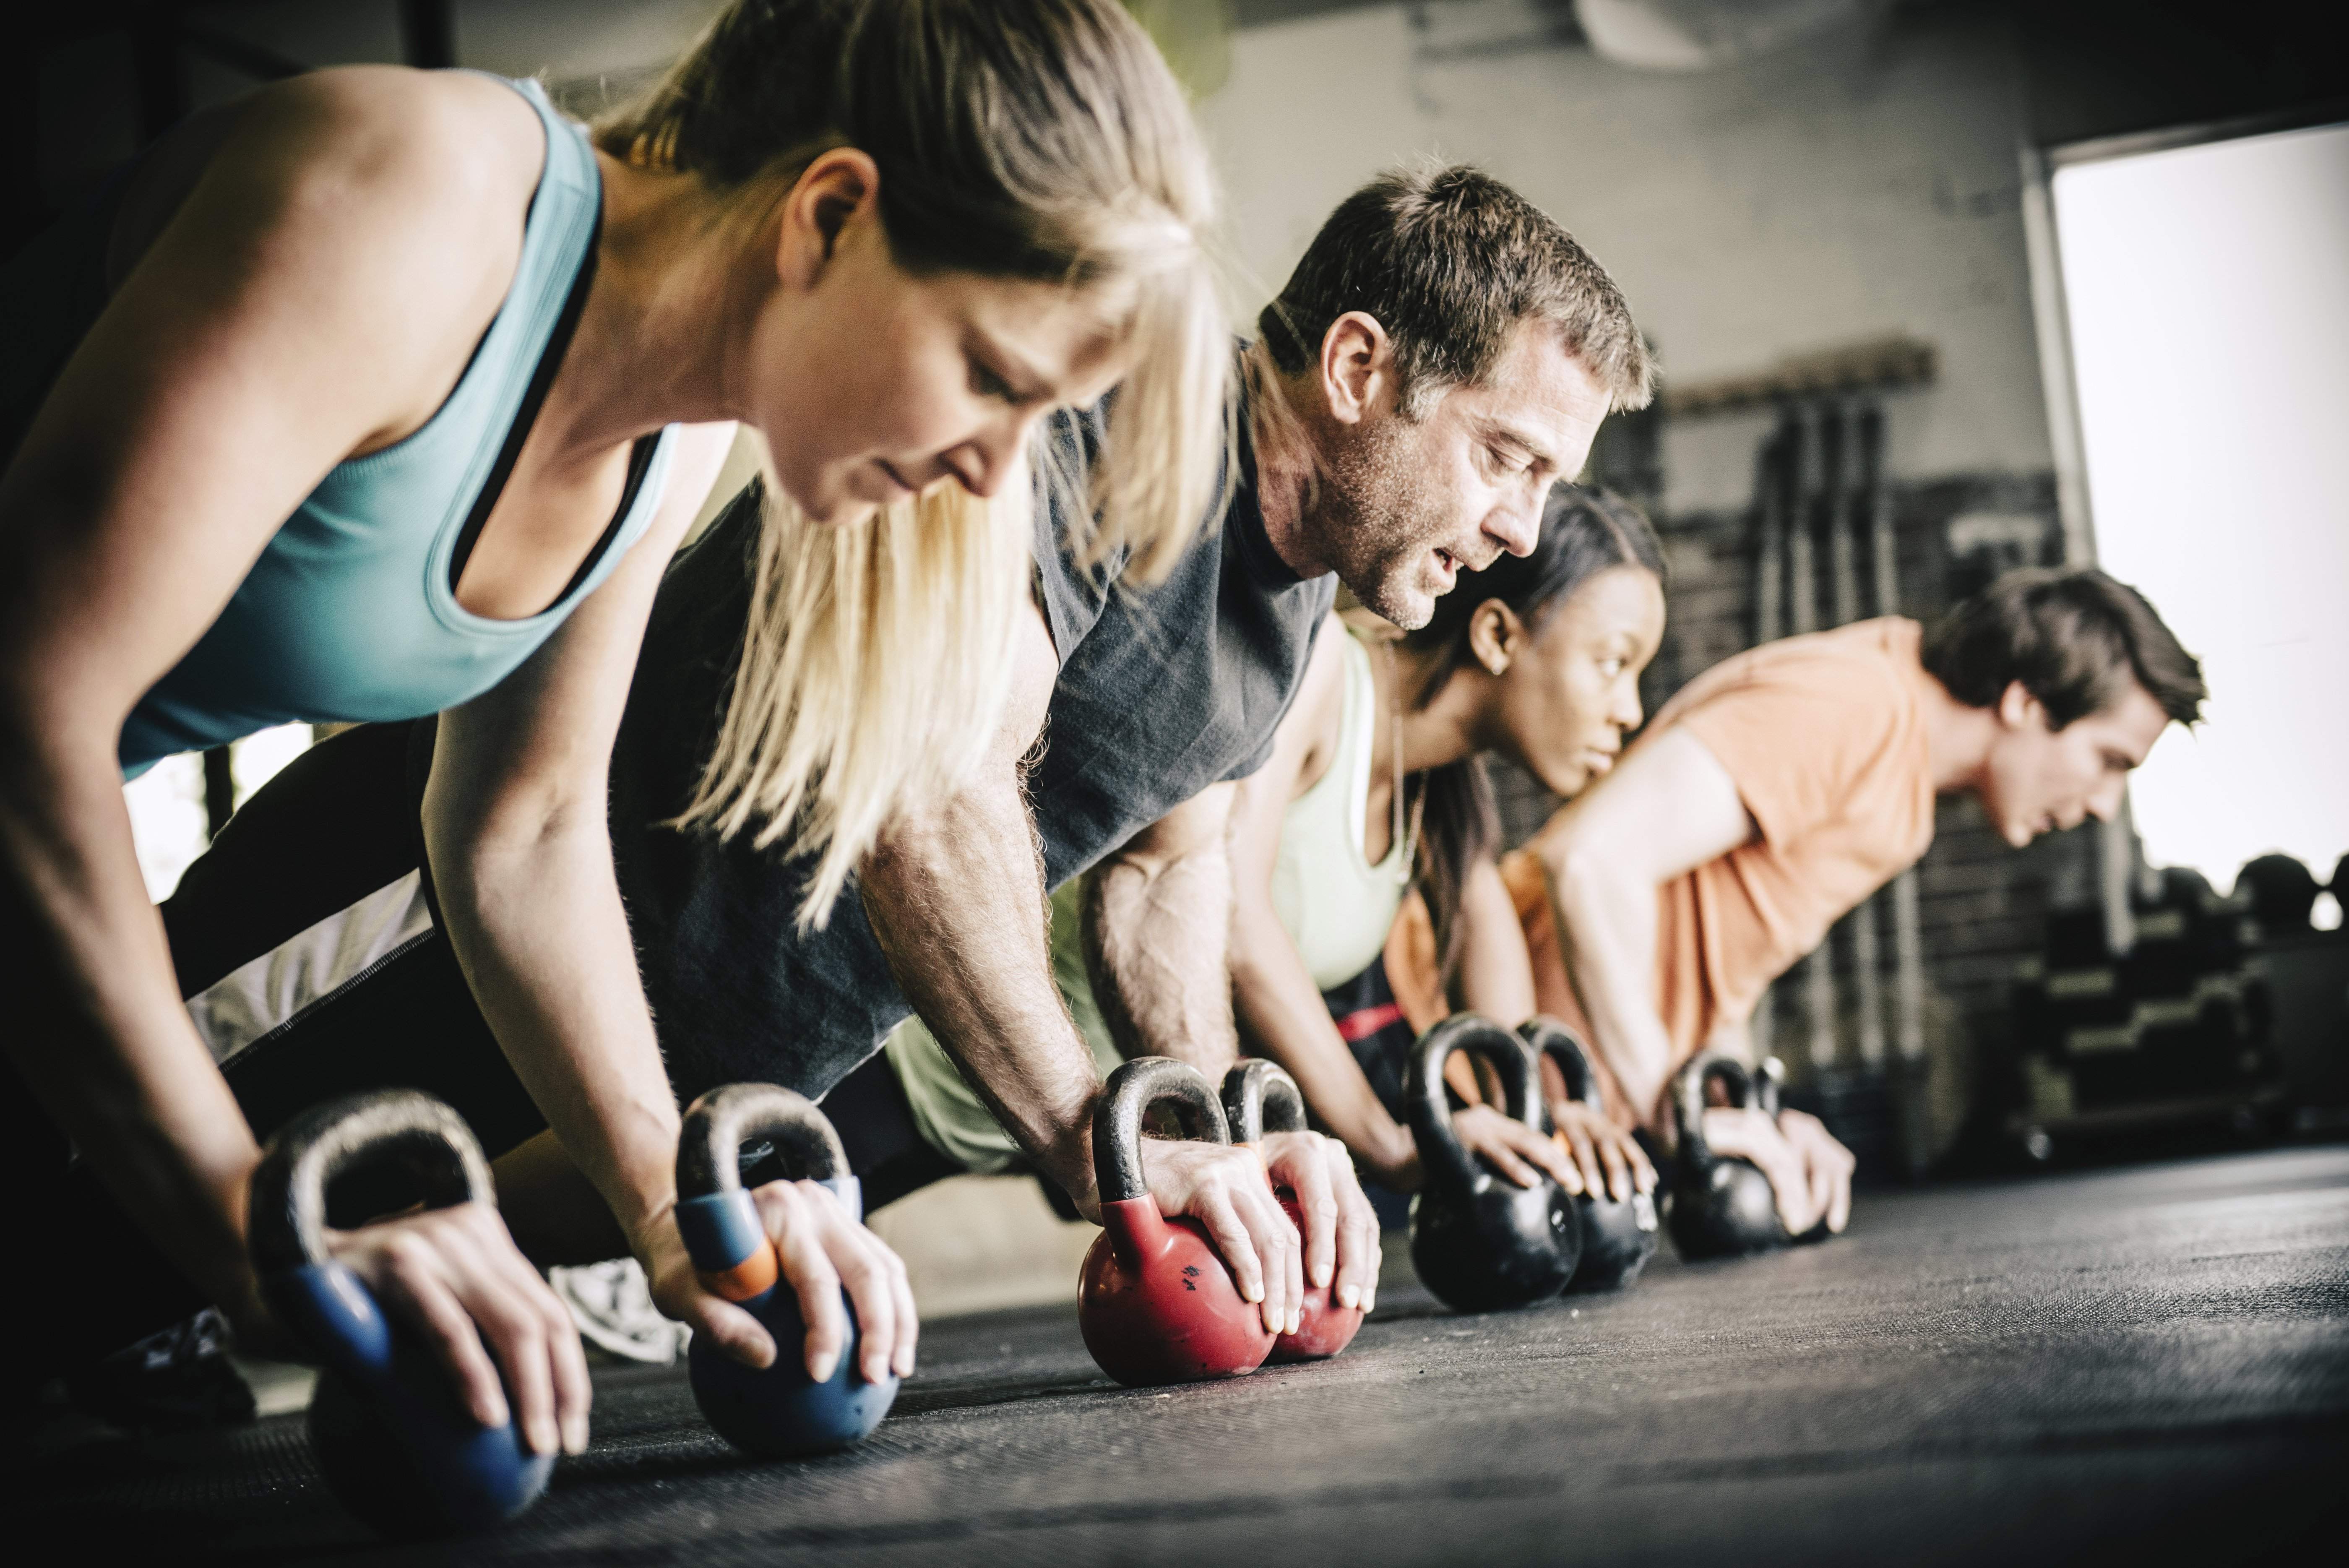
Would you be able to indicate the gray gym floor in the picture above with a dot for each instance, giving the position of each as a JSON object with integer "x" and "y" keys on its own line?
{"x": 2153, "y": 1359}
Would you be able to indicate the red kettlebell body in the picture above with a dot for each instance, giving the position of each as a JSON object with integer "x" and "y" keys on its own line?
{"x": 1157, "y": 1306}
{"x": 1258, "y": 1097}
{"x": 1154, "y": 1302}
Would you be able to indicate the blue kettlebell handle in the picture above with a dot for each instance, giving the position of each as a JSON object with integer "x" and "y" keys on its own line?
{"x": 718, "y": 1219}
{"x": 324, "y": 1305}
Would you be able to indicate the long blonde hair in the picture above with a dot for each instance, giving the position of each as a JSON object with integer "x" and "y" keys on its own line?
{"x": 1037, "y": 140}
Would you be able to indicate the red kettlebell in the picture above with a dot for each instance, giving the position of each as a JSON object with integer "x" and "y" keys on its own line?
{"x": 1154, "y": 1300}
{"x": 1259, "y": 1097}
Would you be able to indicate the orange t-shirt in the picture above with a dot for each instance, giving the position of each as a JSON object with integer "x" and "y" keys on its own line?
{"x": 1824, "y": 736}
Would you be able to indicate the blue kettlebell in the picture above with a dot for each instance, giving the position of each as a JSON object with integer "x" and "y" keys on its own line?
{"x": 392, "y": 1437}
{"x": 779, "y": 1413}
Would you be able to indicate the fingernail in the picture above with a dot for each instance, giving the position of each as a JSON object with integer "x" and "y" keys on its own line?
{"x": 1321, "y": 1276}
{"x": 1254, "y": 1293}
{"x": 1296, "y": 1320}
{"x": 822, "y": 1366}
{"x": 1348, "y": 1296}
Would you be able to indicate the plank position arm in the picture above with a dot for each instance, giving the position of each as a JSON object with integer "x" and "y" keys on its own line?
{"x": 1669, "y": 808}
{"x": 1157, "y": 926}
{"x": 1279, "y": 1006}
{"x": 330, "y": 228}
{"x": 955, "y": 895}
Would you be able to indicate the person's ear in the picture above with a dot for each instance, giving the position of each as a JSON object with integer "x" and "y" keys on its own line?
{"x": 838, "y": 190}
{"x": 1496, "y": 637}
{"x": 1357, "y": 367}
{"x": 2019, "y": 710}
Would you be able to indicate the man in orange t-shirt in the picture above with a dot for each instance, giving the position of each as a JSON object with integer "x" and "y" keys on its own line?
{"x": 1781, "y": 788}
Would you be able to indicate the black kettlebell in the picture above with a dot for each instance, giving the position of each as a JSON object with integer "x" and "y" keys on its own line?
{"x": 1479, "y": 1240}
{"x": 1769, "y": 1090}
{"x": 392, "y": 1437}
{"x": 1722, "y": 1206}
{"x": 1618, "y": 1239}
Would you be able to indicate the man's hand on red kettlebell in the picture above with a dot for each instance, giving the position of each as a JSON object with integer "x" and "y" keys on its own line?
{"x": 1341, "y": 1229}
{"x": 1223, "y": 1188}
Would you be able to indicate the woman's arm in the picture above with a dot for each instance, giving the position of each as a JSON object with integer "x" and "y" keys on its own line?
{"x": 1277, "y": 1005}
{"x": 206, "y": 400}
{"x": 516, "y": 825}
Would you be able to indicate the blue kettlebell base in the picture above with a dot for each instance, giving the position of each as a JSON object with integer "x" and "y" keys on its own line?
{"x": 779, "y": 1413}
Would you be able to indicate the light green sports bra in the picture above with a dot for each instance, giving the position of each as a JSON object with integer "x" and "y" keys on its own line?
{"x": 351, "y": 611}
{"x": 1334, "y": 904}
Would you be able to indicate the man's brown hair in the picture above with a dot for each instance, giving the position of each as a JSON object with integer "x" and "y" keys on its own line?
{"x": 2073, "y": 637}
{"x": 1449, "y": 260}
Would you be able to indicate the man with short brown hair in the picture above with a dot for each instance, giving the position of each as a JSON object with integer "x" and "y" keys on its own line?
{"x": 1781, "y": 788}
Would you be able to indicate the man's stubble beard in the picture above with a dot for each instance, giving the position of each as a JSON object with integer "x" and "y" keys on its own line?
{"x": 1370, "y": 520}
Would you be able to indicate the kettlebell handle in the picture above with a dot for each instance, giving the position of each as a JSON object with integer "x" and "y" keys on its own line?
{"x": 1563, "y": 1046}
{"x": 1431, "y": 1113}
{"x": 1689, "y": 1095}
{"x": 1769, "y": 1086}
{"x": 1132, "y": 1089}
{"x": 287, "y": 1212}
{"x": 1259, "y": 1096}
{"x": 721, "y": 1122}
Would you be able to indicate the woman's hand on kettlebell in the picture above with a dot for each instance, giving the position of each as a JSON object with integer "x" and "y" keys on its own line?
{"x": 1611, "y": 1160}
{"x": 1827, "y": 1167}
{"x": 1223, "y": 1188}
{"x": 821, "y": 1251}
{"x": 1751, "y": 1135}
{"x": 1341, "y": 1228}
{"x": 455, "y": 1274}
{"x": 1516, "y": 1150}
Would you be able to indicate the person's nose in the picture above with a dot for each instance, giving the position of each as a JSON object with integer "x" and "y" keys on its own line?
{"x": 1517, "y": 528}
{"x": 2105, "y": 803}
{"x": 1626, "y": 712}
{"x": 979, "y": 464}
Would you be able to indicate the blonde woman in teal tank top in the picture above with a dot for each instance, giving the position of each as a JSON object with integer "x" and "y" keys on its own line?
{"x": 381, "y": 392}
{"x": 1538, "y": 658}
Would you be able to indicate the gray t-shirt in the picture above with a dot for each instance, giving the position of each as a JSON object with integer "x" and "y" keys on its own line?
{"x": 1163, "y": 692}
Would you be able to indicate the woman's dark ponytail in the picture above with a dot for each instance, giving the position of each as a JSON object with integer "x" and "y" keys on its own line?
{"x": 1583, "y": 532}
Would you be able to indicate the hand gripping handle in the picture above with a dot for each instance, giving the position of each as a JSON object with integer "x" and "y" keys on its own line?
{"x": 1563, "y": 1046}
{"x": 1259, "y": 1096}
{"x": 288, "y": 1196}
{"x": 719, "y": 1220}
{"x": 1132, "y": 1089}
{"x": 721, "y": 1122}
{"x": 1431, "y": 1113}
{"x": 1688, "y": 1097}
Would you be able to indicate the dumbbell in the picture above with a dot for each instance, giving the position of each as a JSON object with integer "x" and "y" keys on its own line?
{"x": 393, "y": 1440}
{"x": 1481, "y": 1242}
{"x": 1618, "y": 1238}
{"x": 778, "y": 1411}
{"x": 1258, "y": 1097}
{"x": 1154, "y": 1303}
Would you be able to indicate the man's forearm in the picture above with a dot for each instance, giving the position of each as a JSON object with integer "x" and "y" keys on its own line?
{"x": 1606, "y": 926}
{"x": 1156, "y": 946}
{"x": 955, "y": 895}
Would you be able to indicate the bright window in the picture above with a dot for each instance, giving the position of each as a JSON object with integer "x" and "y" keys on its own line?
{"x": 2208, "y": 293}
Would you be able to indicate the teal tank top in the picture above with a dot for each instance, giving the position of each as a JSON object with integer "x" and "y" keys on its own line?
{"x": 351, "y": 613}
